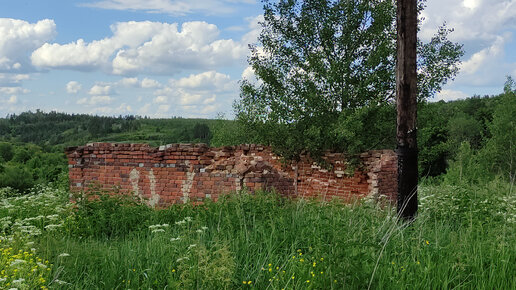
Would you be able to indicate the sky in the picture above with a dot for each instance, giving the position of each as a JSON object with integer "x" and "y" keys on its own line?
{"x": 185, "y": 58}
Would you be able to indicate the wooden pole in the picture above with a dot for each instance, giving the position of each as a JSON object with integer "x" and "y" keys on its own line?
{"x": 406, "y": 102}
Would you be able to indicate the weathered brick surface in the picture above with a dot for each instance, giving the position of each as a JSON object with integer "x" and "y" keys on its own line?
{"x": 192, "y": 172}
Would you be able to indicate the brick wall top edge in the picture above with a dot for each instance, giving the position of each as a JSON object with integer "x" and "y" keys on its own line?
{"x": 199, "y": 146}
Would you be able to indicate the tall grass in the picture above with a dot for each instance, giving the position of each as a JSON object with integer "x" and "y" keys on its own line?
{"x": 463, "y": 238}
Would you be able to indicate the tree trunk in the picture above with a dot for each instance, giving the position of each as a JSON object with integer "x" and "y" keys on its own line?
{"x": 406, "y": 99}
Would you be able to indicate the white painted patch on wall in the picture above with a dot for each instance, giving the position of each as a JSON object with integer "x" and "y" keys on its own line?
{"x": 186, "y": 186}
{"x": 134, "y": 177}
{"x": 154, "y": 198}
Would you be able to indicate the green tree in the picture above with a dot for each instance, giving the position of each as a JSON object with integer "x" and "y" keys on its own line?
{"x": 6, "y": 151}
{"x": 500, "y": 150}
{"x": 322, "y": 65}
{"x": 17, "y": 177}
{"x": 202, "y": 133}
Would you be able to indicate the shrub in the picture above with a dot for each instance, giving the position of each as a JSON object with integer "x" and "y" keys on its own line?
{"x": 100, "y": 214}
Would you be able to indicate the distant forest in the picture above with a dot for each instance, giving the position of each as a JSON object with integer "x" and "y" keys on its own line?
{"x": 32, "y": 143}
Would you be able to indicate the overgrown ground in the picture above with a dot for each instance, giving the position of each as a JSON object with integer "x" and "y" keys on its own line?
{"x": 463, "y": 238}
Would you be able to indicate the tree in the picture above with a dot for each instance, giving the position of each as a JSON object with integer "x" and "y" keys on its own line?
{"x": 6, "y": 151}
{"x": 202, "y": 133}
{"x": 500, "y": 150}
{"x": 324, "y": 67}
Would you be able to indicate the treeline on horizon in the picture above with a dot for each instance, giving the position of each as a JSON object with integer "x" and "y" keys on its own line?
{"x": 32, "y": 143}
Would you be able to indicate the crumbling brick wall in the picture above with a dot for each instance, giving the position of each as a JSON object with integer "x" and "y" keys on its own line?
{"x": 193, "y": 172}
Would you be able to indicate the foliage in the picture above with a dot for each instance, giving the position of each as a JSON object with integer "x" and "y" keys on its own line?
{"x": 266, "y": 241}
{"x": 103, "y": 215}
{"x": 20, "y": 267}
{"x": 202, "y": 133}
{"x": 6, "y": 152}
{"x": 30, "y": 165}
{"x": 323, "y": 66}
{"x": 230, "y": 133}
{"x": 61, "y": 129}
{"x": 500, "y": 150}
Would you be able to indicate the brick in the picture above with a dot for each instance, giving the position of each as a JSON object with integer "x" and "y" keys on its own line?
{"x": 112, "y": 164}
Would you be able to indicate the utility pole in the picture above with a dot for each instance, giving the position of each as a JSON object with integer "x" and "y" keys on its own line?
{"x": 406, "y": 103}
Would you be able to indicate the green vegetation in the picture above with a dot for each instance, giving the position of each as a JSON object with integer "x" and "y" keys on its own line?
{"x": 326, "y": 75}
{"x": 61, "y": 129}
{"x": 463, "y": 237}
{"x": 32, "y": 143}
{"x": 485, "y": 123}
{"x": 25, "y": 165}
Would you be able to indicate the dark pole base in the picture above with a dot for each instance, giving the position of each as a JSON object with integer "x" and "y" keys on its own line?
{"x": 407, "y": 182}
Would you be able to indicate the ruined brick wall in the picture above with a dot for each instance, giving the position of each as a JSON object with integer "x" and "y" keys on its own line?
{"x": 192, "y": 172}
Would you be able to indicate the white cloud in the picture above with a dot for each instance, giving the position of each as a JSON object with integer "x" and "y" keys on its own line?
{"x": 255, "y": 29}
{"x": 186, "y": 98}
{"x": 480, "y": 58}
{"x": 160, "y": 99}
{"x": 101, "y": 90}
{"x": 13, "y": 90}
{"x": 448, "y": 95}
{"x": 124, "y": 108}
{"x": 12, "y": 79}
{"x": 210, "y": 80}
{"x": 95, "y": 100}
{"x": 129, "y": 82}
{"x": 19, "y": 38}
{"x": 145, "y": 47}
{"x": 173, "y": 7}
{"x": 209, "y": 109}
{"x": 478, "y": 20}
{"x": 197, "y": 95}
{"x": 486, "y": 29}
{"x": 145, "y": 109}
{"x": 73, "y": 87}
{"x": 249, "y": 75}
{"x": 80, "y": 55}
{"x": 163, "y": 108}
{"x": 150, "y": 83}
{"x": 171, "y": 51}
{"x": 12, "y": 100}
{"x": 210, "y": 100}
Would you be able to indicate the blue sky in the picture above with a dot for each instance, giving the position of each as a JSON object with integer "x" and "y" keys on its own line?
{"x": 163, "y": 58}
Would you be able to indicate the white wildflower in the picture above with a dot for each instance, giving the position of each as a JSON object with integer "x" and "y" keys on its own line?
{"x": 181, "y": 259}
{"x": 192, "y": 246}
{"x": 158, "y": 231}
{"x": 175, "y": 239}
{"x": 52, "y": 217}
{"x": 52, "y": 227}
{"x": 63, "y": 255}
{"x": 18, "y": 281}
{"x": 60, "y": 282}
{"x": 17, "y": 262}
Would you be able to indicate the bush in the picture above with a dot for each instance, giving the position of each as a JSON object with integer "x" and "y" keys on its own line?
{"x": 102, "y": 215}
{"x": 16, "y": 177}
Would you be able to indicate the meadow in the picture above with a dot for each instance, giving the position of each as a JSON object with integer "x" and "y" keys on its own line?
{"x": 463, "y": 238}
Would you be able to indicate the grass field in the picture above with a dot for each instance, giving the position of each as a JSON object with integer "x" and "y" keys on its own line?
{"x": 463, "y": 238}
